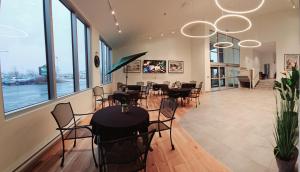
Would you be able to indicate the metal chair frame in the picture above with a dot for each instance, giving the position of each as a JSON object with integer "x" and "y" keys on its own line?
{"x": 63, "y": 129}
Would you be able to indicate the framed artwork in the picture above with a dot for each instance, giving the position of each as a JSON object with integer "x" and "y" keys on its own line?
{"x": 133, "y": 67}
{"x": 176, "y": 66}
{"x": 154, "y": 66}
{"x": 291, "y": 60}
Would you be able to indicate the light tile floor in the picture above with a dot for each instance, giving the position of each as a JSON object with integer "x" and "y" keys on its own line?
{"x": 236, "y": 126}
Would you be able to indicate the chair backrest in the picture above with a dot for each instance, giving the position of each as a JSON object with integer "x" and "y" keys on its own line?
{"x": 166, "y": 82}
{"x": 178, "y": 83}
{"x": 98, "y": 91}
{"x": 128, "y": 149}
{"x": 140, "y": 83}
{"x": 193, "y": 82}
{"x": 200, "y": 85}
{"x": 63, "y": 114}
{"x": 121, "y": 97}
{"x": 188, "y": 85}
{"x": 168, "y": 107}
{"x": 145, "y": 90}
{"x": 119, "y": 85}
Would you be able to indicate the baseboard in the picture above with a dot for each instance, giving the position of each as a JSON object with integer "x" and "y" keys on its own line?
{"x": 29, "y": 162}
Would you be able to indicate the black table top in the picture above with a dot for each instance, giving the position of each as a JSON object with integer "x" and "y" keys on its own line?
{"x": 111, "y": 122}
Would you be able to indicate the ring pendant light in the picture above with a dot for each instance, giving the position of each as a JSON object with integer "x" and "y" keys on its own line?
{"x": 233, "y": 16}
{"x": 198, "y": 36}
{"x": 221, "y": 44}
{"x": 240, "y": 12}
{"x": 258, "y": 43}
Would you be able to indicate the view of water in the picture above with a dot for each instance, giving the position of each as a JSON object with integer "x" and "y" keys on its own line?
{"x": 19, "y": 96}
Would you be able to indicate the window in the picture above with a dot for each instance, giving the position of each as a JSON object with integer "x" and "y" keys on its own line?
{"x": 62, "y": 29}
{"x": 30, "y": 48}
{"x": 82, "y": 55}
{"x": 22, "y": 52}
{"x": 106, "y": 60}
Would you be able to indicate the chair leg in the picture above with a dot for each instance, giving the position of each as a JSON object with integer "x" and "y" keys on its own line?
{"x": 63, "y": 153}
{"x": 94, "y": 152}
{"x": 173, "y": 148}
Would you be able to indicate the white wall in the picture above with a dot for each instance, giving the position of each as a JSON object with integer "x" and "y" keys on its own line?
{"x": 281, "y": 28}
{"x": 174, "y": 47}
{"x": 25, "y": 134}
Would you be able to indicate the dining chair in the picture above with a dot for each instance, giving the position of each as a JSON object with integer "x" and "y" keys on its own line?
{"x": 140, "y": 83}
{"x": 64, "y": 117}
{"x": 193, "y": 82}
{"x": 178, "y": 84}
{"x": 195, "y": 94}
{"x": 99, "y": 96}
{"x": 167, "y": 109}
{"x": 125, "y": 154}
{"x": 144, "y": 94}
{"x": 200, "y": 86}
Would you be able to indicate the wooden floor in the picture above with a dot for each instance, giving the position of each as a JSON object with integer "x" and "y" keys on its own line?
{"x": 188, "y": 155}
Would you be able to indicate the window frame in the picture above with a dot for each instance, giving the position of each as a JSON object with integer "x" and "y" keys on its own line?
{"x": 107, "y": 61}
{"x": 50, "y": 58}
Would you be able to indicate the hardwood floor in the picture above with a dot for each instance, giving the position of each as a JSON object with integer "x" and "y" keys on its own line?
{"x": 187, "y": 156}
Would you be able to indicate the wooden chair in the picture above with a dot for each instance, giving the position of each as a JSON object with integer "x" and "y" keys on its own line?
{"x": 64, "y": 116}
{"x": 167, "y": 109}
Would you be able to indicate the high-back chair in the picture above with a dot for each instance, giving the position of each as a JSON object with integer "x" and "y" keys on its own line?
{"x": 195, "y": 94}
{"x": 178, "y": 84}
{"x": 193, "y": 82}
{"x": 64, "y": 117}
{"x": 125, "y": 154}
{"x": 145, "y": 90}
{"x": 99, "y": 96}
{"x": 167, "y": 109}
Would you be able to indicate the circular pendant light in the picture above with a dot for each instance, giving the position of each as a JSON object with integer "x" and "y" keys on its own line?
{"x": 240, "y": 12}
{"x": 254, "y": 43}
{"x": 198, "y": 36}
{"x": 233, "y": 16}
{"x": 224, "y": 44}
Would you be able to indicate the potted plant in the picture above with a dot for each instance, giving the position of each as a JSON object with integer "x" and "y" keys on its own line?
{"x": 286, "y": 121}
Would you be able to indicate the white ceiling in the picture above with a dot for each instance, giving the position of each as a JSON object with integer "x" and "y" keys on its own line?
{"x": 144, "y": 18}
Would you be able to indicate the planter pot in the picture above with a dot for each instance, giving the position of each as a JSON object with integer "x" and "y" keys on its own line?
{"x": 287, "y": 166}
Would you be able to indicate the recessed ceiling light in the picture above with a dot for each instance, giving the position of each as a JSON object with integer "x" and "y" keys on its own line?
{"x": 120, "y": 31}
{"x": 117, "y": 24}
{"x": 294, "y": 6}
{"x": 198, "y": 36}
{"x": 161, "y": 34}
{"x": 173, "y": 32}
{"x": 150, "y": 38}
{"x": 224, "y": 44}
{"x": 240, "y": 12}
{"x": 256, "y": 43}
{"x": 233, "y": 16}
{"x": 113, "y": 12}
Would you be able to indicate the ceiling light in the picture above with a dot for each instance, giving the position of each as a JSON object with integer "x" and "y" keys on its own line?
{"x": 234, "y": 16}
{"x": 224, "y": 44}
{"x": 294, "y": 6}
{"x": 257, "y": 43}
{"x": 113, "y": 12}
{"x": 240, "y": 12}
{"x": 120, "y": 31}
{"x": 198, "y": 36}
{"x": 161, "y": 34}
{"x": 150, "y": 37}
{"x": 173, "y": 32}
{"x": 117, "y": 24}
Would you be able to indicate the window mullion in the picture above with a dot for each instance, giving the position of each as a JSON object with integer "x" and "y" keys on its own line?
{"x": 75, "y": 52}
{"x": 50, "y": 54}
{"x": 88, "y": 56}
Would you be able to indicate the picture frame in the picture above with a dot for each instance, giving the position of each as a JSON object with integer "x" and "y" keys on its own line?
{"x": 154, "y": 66}
{"x": 175, "y": 66}
{"x": 290, "y": 61}
{"x": 133, "y": 67}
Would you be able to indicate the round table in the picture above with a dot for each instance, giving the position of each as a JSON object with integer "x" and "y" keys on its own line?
{"x": 111, "y": 123}
{"x": 180, "y": 92}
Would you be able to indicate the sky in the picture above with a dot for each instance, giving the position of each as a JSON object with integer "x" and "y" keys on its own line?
{"x": 22, "y": 36}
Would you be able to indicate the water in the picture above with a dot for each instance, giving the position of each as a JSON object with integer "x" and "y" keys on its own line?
{"x": 19, "y": 96}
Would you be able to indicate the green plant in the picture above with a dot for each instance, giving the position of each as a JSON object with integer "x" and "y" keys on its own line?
{"x": 286, "y": 126}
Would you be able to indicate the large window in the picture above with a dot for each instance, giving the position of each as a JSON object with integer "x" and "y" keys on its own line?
{"x": 106, "y": 62}
{"x": 62, "y": 29}
{"x": 22, "y": 53}
{"x": 35, "y": 56}
{"x": 82, "y": 55}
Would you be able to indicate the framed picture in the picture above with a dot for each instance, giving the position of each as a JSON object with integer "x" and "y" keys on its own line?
{"x": 154, "y": 66}
{"x": 176, "y": 66}
{"x": 291, "y": 60}
{"x": 133, "y": 67}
